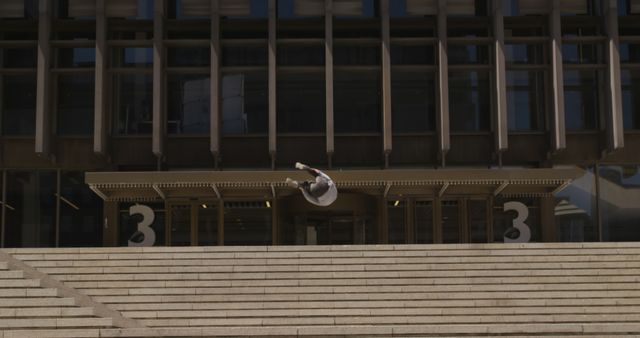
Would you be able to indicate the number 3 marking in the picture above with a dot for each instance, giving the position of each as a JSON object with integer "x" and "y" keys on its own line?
{"x": 143, "y": 226}
{"x": 518, "y": 222}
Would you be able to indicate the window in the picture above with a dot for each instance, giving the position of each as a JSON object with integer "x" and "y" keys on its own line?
{"x": 188, "y": 104}
{"x": 631, "y": 98}
{"x": 450, "y": 222}
{"x": 575, "y": 210}
{"x": 629, "y": 53}
{"x": 300, "y": 102}
{"x": 396, "y": 222}
{"x": 413, "y": 104}
{"x": 306, "y": 55}
{"x": 469, "y": 100}
{"x": 356, "y": 55}
{"x": 412, "y": 54}
{"x": 294, "y": 9}
{"x": 18, "y": 57}
{"x": 467, "y": 8}
{"x": 525, "y": 99}
{"x": 133, "y": 104}
{"x": 582, "y": 53}
{"x": 581, "y": 100}
{"x": 412, "y": 8}
{"x": 245, "y": 103}
{"x": 523, "y": 7}
{"x": 356, "y": 100}
{"x": 18, "y": 105}
{"x": 76, "y": 57}
{"x": 75, "y": 104}
{"x": 521, "y": 54}
{"x": 468, "y": 54}
{"x": 188, "y": 57}
{"x": 620, "y": 202}
{"x": 132, "y": 57}
{"x": 244, "y": 55}
{"x": 130, "y": 9}
{"x": 207, "y": 224}
{"x": 344, "y": 9}
{"x": 424, "y": 222}
{"x": 247, "y": 223}
{"x": 81, "y": 219}
{"x": 19, "y": 9}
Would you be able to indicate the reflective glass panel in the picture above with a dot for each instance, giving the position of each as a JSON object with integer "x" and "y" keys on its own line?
{"x": 133, "y": 104}
{"x": 75, "y": 104}
{"x": 477, "y": 217}
{"x": 300, "y": 102}
{"x": 207, "y": 224}
{"x": 424, "y": 222}
{"x": 76, "y": 57}
{"x": 137, "y": 57}
{"x": 620, "y": 202}
{"x": 18, "y": 104}
{"x": 244, "y": 56}
{"x": 188, "y": 57}
{"x": 18, "y": 57}
{"x": 581, "y": 103}
{"x": 295, "y": 9}
{"x": 245, "y": 103}
{"x": 412, "y": 55}
{"x": 469, "y": 101}
{"x": 188, "y": 104}
{"x": 181, "y": 225}
{"x": 582, "y": 53}
{"x": 132, "y": 9}
{"x": 525, "y": 99}
{"x": 575, "y": 210}
{"x": 351, "y": 9}
{"x": 396, "y": 222}
{"x": 450, "y": 222}
{"x": 630, "y": 98}
{"x": 247, "y": 223}
{"x": 311, "y": 55}
{"x": 413, "y": 105}
{"x": 468, "y": 54}
{"x": 523, "y": 54}
{"x": 629, "y": 52}
{"x": 81, "y": 219}
{"x": 356, "y": 55}
{"x": 356, "y": 101}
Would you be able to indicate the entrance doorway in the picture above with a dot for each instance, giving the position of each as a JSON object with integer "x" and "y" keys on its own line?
{"x": 326, "y": 228}
{"x": 192, "y": 223}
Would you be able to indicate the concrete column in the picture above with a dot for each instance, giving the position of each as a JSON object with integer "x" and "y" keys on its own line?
{"x": 558, "y": 138}
{"x": 328, "y": 77}
{"x": 215, "y": 89}
{"x": 272, "y": 81}
{"x": 43, "y": 86}
{"x": 100, "y": 124}
{"x": 442, "y": 116}
{"x": 615, "y": 132}
{"x": 500, "y": 89}
{"x": 159, "y": 120}
{"x": 386, "y": 83}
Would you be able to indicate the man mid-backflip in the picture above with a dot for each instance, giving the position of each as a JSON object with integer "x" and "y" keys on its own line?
{"x": 321, "y": 192}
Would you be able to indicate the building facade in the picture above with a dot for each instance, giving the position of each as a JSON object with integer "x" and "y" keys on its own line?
{"x": 175, "y": 122}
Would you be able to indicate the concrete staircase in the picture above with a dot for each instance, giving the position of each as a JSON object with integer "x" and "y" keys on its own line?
{"x": 582, "y": 289}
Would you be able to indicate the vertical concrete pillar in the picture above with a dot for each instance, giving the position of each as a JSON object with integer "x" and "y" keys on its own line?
{"x": 328, "y": 77}
{"x": 614, "y": 124}
{"x": 558, "y": 138}
{"x": 442, "y": 116}
{"x": 500, "y": 87}
{"x": 272, "y": 81}
{"x": 43, "y": 85}
{"x": 214, "y": 88}
{"x": 100, "y": 125}
{"x": 159, "y": 120}
{"x": 386, "y": 83}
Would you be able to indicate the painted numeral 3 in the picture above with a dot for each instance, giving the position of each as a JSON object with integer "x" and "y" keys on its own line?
{"x": 518, "y": 223}
{"x": 144, "y": 226}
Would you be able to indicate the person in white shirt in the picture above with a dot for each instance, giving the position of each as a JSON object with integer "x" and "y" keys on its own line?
{"x": 321, "y": 192}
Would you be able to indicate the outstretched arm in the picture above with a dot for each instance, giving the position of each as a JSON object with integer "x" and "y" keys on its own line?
{"x": 313, "y": 172}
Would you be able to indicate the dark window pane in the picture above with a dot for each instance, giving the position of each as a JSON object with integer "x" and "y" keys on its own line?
{"x": 469, "y": 101}
{"x": 244, "y": 29}
{"x": 357, "y": 101}
{"x": 82, "y": 33}
{"x": 412, "y": 55}
{"x": 180, "y": 225}
{"x": 300, "y": 102}
{"x": 301, "y": 55}
{"x": 138, "y": 57}
{"x": 412, "y": 101}
{"x": 128, "y": 224}
{"x": 244, "y": 56}
{"x": 207, "y": 224}
{"x": 188, "y": 57}
{"x": 630, "y": 53}
{"x": 18, "y": 57}
{"x": 19, "y": 105}
{"x": 396, "y": 222}
{"x": 294, "y": 9}
{"x": 188, "y": 104}
{"x": 255, "y": 9}
{"x": 575, "y": 211}
{"x": 424, "y": 222}
{"x": 351, "y": 9}
{"x": 468, "y": 54}
{"x": 245, "y": 103}
{"x": 525, "y": 31}
{"x": 581, "y": 104}
{"x": 356, "y": 55}
{"x": 467, "y": 32}
{"x": 247, "y": 223}
{"x": 186, "y": 30}
{"x": 120, "y": 31}
{"x": 76, "y": 57}
{"x": 525, "y": 99}
{"x": 30, "y": 209}
{"x": 450, "y": 222}
{"x": 582, "y": 53}
{"x": 80, "y": 212}
{"x": 133, "y": 104}
{"x": 75, "y": 104}
{"x": 24, "y": 33}
{"x": 307, "y": 28}
{"x": 523, "y": 54}
{"x": 418, "y": 28}
{"x": 132, "y": 9}
{"x": 356, "y": 28}
{"x": 619, "y": 186}
{"x": 631, "y": 98}
{"x": 477, "y": 221}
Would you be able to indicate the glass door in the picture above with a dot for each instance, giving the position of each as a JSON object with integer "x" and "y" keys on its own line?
{"x": 180, "y": 223}
{"x": 193, "y": 223}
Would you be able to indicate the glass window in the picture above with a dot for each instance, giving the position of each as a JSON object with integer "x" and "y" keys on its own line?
{"x": 207, "y": 224}
{"x": 245, "y": 103}
{"x": 525, "y": 99}
{"x": 424, "y": 222}
{"x": 413, "y": 104}
{"x": 181, "y": 9}
{"x": 18, "y": 105}
{"x": 136, "y": 57}
{"x": 477, "y": 210}
{"x": 467, "y": 32}
{"x": 294, "y": 9}
{"x": 19, "y": 9}
{"x": 404, "y": 8}
{"x": 30, "y": 209}
{"x": 503, "y": 220}
{"x": 356, "y": 101}
{"x": 188, "y": 104}
{"x": 412, "y": 55}
{"x": 631, "y": 98}
{"x": 581, "y": 103}
{"x": 629, "y": 52}
{"x": 180, "y": 225}
{"x": 523, "y": 54}
{"x": 450, "y": 222}
{"x": 188, "y": 57}
{"x": 133, "y": 103}
{"x": 252, "y": 9}
{"x": 396, "y": 222}
{"x": 246, "y": 55}
{"x": 582, "y": 53}
{"x": 76, "y": 57}
{"x": 80, "y": 212}
{"x": 356, "y": 55}
{"x": 620, "y": 202}
{"x": 75, "y": 104}
{"x": 128, "y": 224}
{"x": 310, "y": 55}
{"x": 349, "y": 9}
{"x": 247, "y": 223}
{"x": 75, "y": 9}
{"x": 576, "y": 211}
{"x": 468, "y": 54}
{"x": 18, "y": 57}
{"x": 130, "y": 9}
{"x": 300, "y": 102}
{"x": 469, "y": 101}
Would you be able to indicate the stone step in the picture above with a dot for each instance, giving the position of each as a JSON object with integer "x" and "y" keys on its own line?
{"x": 4, "y": 266}
{"x": 19, "y": 283}
{"x": 47, "y": 312}
{"x": 90, "y": 322}
{"x": 11, "y": 274}
{"x": 36, "y": 302}
{"x": 32, "y": 292}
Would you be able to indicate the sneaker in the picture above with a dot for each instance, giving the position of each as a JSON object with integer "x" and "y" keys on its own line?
{"x": 291, "y": 183}
{"x": 300, "y": 166}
